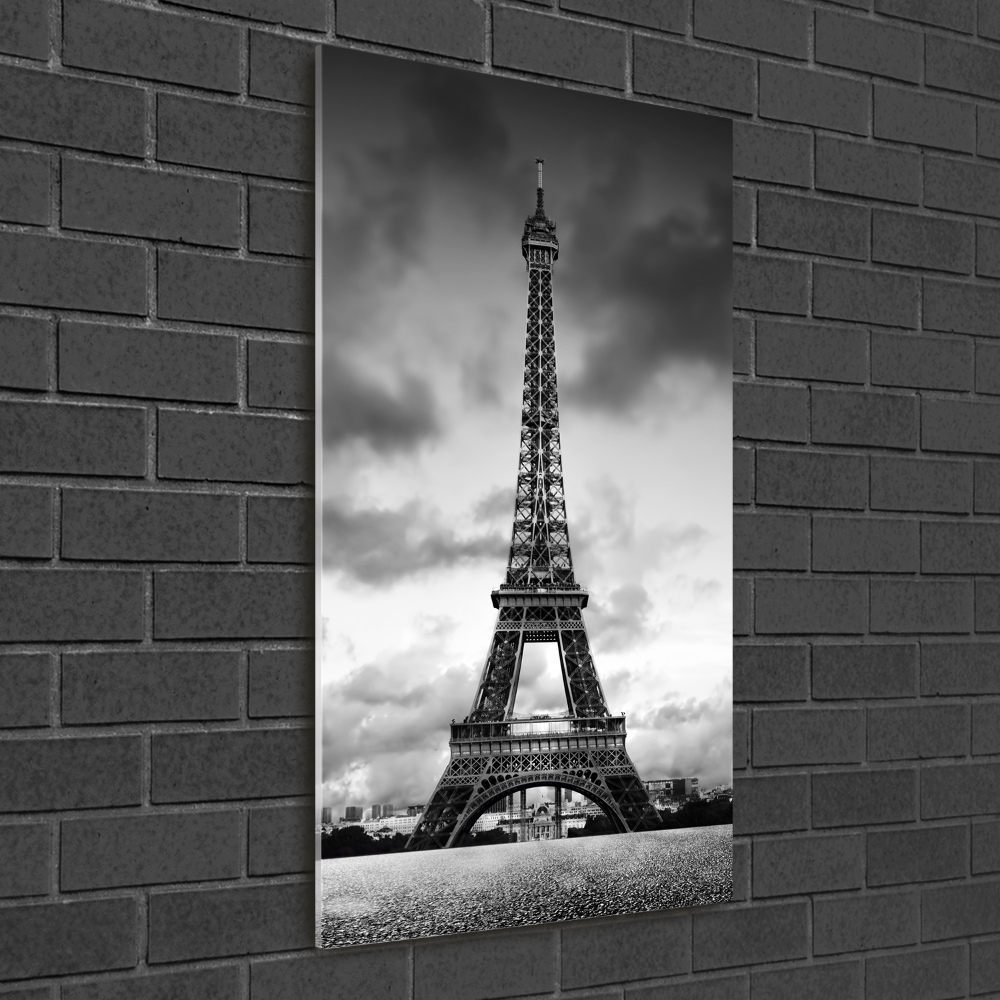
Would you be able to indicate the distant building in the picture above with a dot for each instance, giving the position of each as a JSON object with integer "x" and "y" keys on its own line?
{"x": 664, "y": 790}
{"x": 326, "y": 815}
{"x": 354, "y": 814}
{"x": 414, "y": 810}
{"x": 388, "y": 809}
{"x": 376, "y": 811}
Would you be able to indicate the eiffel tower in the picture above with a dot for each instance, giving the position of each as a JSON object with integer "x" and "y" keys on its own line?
{"x": 493, "y": 753}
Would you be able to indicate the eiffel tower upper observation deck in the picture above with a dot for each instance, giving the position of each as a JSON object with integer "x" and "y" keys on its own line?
{"x": 493, "y": 753}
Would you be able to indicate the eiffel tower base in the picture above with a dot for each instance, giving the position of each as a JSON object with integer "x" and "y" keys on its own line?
{"x": 492, "y": 760}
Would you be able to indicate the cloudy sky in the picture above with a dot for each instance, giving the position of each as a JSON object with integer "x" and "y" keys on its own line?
{"x": 427, "y": 176}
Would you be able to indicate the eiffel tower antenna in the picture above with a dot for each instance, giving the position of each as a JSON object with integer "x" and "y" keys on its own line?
{"x": 493, "y": 753}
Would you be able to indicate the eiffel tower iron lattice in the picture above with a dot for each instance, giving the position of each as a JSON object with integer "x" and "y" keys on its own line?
{"x": 494, "y": 754}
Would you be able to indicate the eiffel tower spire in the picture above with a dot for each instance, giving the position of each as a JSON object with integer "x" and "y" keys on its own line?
{"x": 494, "y": 754}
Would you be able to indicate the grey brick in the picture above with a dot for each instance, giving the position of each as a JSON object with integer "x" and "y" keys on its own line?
{"x": 743, "y": 208}
{"x": 808, "y": 351}
{"x": 280, "y": 374}
{"x": 988, "y": 20}
{"x": 812, "y": 225}
{"x": 67, "y": 111}
{"x": 335, "y": 970}
{"x": 41, "y": 605}
{"x": 24, "y": 30}
{"x": 962, "y": 186}
{"x": 701, "y": 988}
{"x": 905, "y": 115}
{"x": 777, "y": 155}
{"x": 281, "y": 221}
{"x": 985, "y": 728}
{"x": 865, "y": 545}
{"x": 219, "y": 983}
{"x": 150, "y": 526}
{"x": 152, "y": 363}
{"x": 236, "y": 292}
{"x": 109, "y": 198}
{"x": 921, "y": 362}
{"x": 886, "y": 670}
{"x": 805, "y": 605}
{"x": 861, "y": 923}
{"x": 257, "y": 763}
{"x": 988, "y": 251}
{"x": 922, "y": 241}
{"x": 38, "y": 775}
{"x": 770, "y": 412}
{"x": 864, "y": 418}
{"x": 207, "y": 605}
{"x": 280, "y": 530}
{"x": 884, "y": 297}
{"x": 741, "y": 739}
{"x": 927, "y": 854}
{"x": 901, "y": 732}
{"x": 238, "y": 447}
{"x": 921, "y": 484}
{"x": 24, "y": 352}
{"x": 770, "y": 804}
{"x": 742, "y": 337}
{"x": 805, "y": 479}
{"x": 959, "y": 15}
{"x": 866, "y": 170}
{"x": 52, "y": 271}
{"x": 92, "y": 935}
{"x": 281, "y": 683}
{"x": 248, "y": 920}
{"x": 988, "y": 368}
{"x": 921, "y": 605}
{"x": 26, "y": 522}
{"x": 130, "y": 41}
{"x": 282, "y": 840}
{"x": 960, "y": 307}
{"x": 679, "y": 71}
{"x": 985, "y": 975}
{"x": 960, "y": 668}
{"x": 952, "y": 425}
{"x": 790, "y": 94}
{"x": 859, "y": 43}
{"x": 25, "y": 679}
{"x": 540, "y": 43}
{"x": 988, "y": 605}
{"x": 26, "y": 851}
{"x": 987, "y": 496}
{"x": 807, "y": 736}
{"x": 242, "y": 139}
{"x": 856, "y": 798}
{"x": 282, "y": 69}
{"x": 741, "y": 606}
{"x": 458, "y": 967}
{"x": 959, "y": 790}
{"x": 149, "y": 686}
{"x": 960, "y": 910}
{"x": 448, "y": 27}
{"x": 24, "y": 186}
{"x": 764, "y": 933}
{"x": 629, "y": 948}
{"x": 844, "y": 980}
{"x": 767, "y": 25}
{"x": 149, "y": 850}
{"x": 743, "y": 463}
{"x": 928, "y": 974}
{"x": 770, "y": 673}
{"x": 985, "y": 847}
{"x": 961, "y": 66}
{"x": 294, "y": 13}
{"x": 770, "y": 284}
{"x": 664, "y": 15}
{"x": 950, "y": 547}
{"x": 770, "y": 541}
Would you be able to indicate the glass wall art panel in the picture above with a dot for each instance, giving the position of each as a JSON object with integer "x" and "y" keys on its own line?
{"x": 524, "y": 469}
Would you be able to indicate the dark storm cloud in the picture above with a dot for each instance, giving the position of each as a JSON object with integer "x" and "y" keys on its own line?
{"x": 378, "y": 546}
{"x": 650, "y": 291}
{"x": 356, "y": 408}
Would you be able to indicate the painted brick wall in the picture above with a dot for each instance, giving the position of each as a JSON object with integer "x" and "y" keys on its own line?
{"x": 156, "y": 304}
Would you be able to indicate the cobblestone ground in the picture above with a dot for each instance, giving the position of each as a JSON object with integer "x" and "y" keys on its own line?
{"x": 398, "y": 896}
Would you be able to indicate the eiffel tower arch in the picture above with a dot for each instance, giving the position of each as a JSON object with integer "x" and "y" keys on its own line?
{"x": 493, "y": 753}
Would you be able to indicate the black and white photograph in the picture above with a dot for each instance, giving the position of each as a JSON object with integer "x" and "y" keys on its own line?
{"x": 524, "y": 451}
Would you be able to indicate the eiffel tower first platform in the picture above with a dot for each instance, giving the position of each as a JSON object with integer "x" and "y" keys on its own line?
{"x": 493, "y": 753}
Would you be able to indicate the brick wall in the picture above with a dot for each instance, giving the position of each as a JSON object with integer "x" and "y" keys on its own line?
{"x": 155, "y": 501}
